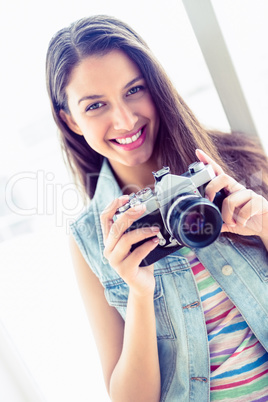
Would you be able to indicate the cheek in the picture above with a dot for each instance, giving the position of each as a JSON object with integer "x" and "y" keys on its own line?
{"x": 153, "y": 115}
{"x": 147, "y": 108}
{"x": 152, "y": 109}
{"x": 93, "y": 131}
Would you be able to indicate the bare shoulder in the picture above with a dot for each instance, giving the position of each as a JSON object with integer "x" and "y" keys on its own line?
{"x": 106, "y": 323}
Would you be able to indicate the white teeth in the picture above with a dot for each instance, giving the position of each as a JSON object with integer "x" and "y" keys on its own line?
{"x": 128, "y": 140}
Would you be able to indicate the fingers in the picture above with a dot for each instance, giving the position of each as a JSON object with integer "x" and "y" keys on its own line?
{"x": 118, "y": 242}
{"x": 107, "y": 215}
{"x": 203, "y": 157}
{"x": 239, "y": 207}
{"x": 141, "y": 252}
{"x": 122, "y": 247}
{"x": 121, "y": 255}
{"x": 122, "y": 223}
{"x": 252, "y": 209}
{"x": 245, "y": 211}
{"x": 222, "y": 180}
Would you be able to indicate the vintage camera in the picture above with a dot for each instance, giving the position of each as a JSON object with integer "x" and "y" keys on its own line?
{"x": 178, "y": 207}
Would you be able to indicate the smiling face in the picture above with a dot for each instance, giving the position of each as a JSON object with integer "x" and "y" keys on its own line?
{"x": 110, "y": 105}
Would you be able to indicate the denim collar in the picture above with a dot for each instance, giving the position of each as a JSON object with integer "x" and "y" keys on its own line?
{"x": 106, "y": 191}
{"x": 107, "y": 187}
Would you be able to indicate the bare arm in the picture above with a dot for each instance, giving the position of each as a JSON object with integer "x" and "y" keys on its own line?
{"x": 128, "y": 352}
{"x": 136, "y": 376}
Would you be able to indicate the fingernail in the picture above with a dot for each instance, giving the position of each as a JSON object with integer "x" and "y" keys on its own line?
{"x": 155, "y": 240}
{"x": 123, "y": 198}
{"x": 139, "y": 207}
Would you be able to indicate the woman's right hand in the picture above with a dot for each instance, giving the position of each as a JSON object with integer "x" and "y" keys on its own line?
{"x": 118, "y": 244}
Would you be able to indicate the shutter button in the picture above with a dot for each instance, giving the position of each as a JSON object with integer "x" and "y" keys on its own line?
{"x": 227, "y": 270}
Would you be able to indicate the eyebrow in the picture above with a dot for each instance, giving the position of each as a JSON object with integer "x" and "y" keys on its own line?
{"x": 94, "y": 97}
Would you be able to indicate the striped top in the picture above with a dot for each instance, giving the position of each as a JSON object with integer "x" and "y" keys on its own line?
{"x": 239, "y": 363}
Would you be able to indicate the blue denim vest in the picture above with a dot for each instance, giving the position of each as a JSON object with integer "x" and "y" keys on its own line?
{"x": 241, "y": 271}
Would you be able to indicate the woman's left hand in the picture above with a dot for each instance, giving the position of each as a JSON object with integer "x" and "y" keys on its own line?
{"x": 244, "y": 212}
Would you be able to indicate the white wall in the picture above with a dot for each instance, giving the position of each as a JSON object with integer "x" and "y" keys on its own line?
{"x": 40, "y": 306}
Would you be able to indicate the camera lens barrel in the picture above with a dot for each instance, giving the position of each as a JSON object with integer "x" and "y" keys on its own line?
{"x": 194, "y": 221}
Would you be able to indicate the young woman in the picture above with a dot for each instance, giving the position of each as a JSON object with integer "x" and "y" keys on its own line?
{"x": 194, "y": 325}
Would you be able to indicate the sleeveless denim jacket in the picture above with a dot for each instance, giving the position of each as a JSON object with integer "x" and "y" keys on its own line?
{"x": 241, "y": 271}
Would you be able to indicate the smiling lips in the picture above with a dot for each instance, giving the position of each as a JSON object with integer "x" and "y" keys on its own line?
{"x": 131, "y": 142}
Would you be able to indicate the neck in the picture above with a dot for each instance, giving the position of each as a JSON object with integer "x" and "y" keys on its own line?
{"x": 134, "y": 178}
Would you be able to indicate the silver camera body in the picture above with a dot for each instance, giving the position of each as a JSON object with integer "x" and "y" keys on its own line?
{"x": 178, "y": 207}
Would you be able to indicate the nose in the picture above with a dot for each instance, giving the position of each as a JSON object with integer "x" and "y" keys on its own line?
{"x": 124, "y": 118}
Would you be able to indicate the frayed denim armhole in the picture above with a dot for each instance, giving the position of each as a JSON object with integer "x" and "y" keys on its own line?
{"x": 83, "y": 231}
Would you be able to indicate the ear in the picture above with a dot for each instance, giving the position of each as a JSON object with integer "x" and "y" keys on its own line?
{"x": 67, "y": 118}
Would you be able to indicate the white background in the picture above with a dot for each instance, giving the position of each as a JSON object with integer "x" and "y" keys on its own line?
{"x": 40, "y": 305}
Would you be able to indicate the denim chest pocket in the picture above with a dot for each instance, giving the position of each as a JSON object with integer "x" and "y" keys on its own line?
{"x": 117, "y": 296}
{"x": 257, "y": 256}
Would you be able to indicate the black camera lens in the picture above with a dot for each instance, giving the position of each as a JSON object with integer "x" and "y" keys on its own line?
{"x": 194, "y": 221}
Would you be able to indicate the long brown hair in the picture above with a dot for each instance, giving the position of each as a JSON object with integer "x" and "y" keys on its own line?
{"x": 180, "y": 132}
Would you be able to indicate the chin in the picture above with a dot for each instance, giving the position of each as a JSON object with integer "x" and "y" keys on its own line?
{"x": 141, "y": 159}
{"x": 138, "y": 162}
